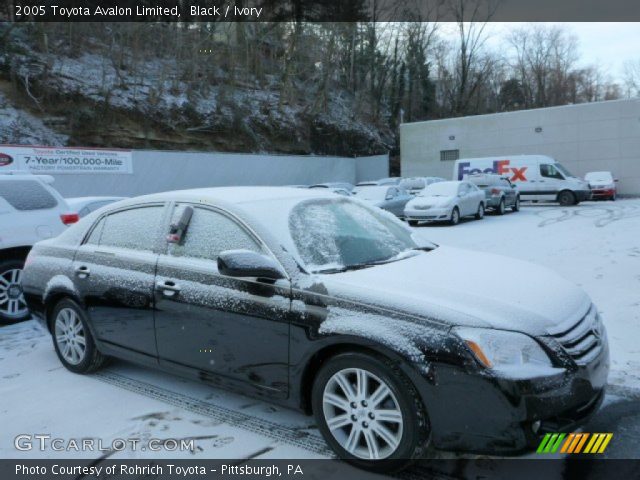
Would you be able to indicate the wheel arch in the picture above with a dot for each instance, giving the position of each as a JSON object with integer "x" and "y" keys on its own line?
{"x": 52, "y": 299}
{"x": 15, "y": 253}
{"x": 347, "y": 344}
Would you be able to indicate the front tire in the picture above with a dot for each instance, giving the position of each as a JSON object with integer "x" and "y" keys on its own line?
{"x": 480, "y": 212}
{"x": 501, "y": 208}
{"x": 566, "y": 198}
{"x": 369, "y": 412}
{"x": 455, "y": 216}
{"x": 413, "y": 223}
{"x": 13, "y": 307}
{"x": 516, "y": 205}
{"x": 72, "y": 338}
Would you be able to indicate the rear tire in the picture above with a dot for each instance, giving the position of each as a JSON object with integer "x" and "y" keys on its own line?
{"x": 455, "y": 216}
{"x": 480, "y": 212}
{"x": 72, "y": 338}
{"x": 566, "y": 198}
{"x": 346, "y": 395}
{"x": 413, "y": 223}
{"x": 13, "y": 307}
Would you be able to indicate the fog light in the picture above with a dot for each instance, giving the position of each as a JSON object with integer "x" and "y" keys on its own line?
{"x": 535, "y": 426}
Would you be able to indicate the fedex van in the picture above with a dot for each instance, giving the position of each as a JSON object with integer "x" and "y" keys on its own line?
{"x": 537, "y": 177}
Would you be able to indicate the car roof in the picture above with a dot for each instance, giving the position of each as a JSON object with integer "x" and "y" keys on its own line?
{"x": 233, "y": 195}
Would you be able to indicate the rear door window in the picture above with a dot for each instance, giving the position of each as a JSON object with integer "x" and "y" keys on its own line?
{"x": 135, "y": 228}
{"x": 27, "y": 195}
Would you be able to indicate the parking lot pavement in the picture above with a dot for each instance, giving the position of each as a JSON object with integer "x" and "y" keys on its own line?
{"x": 594, "y": 245}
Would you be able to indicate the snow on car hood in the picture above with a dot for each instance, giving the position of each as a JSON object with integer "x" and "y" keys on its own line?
{"x": 461, "y": 287}
{"x": 429, "y": 201}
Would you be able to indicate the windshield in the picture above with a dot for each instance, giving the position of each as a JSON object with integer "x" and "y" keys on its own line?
{"x": 441, "y": 189}
{"x": 371, "y": 193}
{"x": 563, "y": 170}
{"x": 335, "y": 235}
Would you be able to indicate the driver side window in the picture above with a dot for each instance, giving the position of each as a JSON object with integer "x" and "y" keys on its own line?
{"x": 209, "y": 233}
{"x": 549, "y": 171}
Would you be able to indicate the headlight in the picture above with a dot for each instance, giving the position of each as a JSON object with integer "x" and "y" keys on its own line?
{"x": 500, "y": 349}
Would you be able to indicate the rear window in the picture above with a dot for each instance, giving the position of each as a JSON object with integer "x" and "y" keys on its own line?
{"x": 27, "y": 195}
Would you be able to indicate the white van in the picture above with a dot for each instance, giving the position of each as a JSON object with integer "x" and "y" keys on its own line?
{"x": 537, "y": 177}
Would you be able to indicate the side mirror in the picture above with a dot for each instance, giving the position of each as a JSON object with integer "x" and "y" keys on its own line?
{"x": 245, "y": 263}
{"x": 389, "y": 197}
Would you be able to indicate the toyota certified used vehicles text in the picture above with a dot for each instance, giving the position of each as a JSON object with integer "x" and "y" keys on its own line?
{"x": 30, "y": 210}
{"x": 538, "y": 177}
{"x": 603, "y": 185}
{"x": 446, "y": 202}
{"x": 500, "y": 193}
{"x": 329, "y": 305}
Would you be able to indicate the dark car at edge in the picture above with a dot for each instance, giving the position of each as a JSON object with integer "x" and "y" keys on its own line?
{"x": 325, "y": 304}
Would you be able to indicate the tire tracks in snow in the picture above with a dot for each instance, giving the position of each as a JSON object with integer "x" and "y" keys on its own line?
{"x": 275, "y": 431}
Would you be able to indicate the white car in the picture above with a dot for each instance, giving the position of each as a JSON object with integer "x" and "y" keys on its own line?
{"x": 85, "y": 205}
{"x": 415, "y": 185}
{"x": 30, "y": 210}
{"x": 602, "y": 184}
{"x": 446, "y": 201}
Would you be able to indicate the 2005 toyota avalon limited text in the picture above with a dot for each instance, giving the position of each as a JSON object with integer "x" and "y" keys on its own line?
{"x": 325, "y": 304}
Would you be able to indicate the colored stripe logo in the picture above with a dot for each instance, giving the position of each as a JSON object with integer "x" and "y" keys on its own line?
{"x": 574, "y": 443}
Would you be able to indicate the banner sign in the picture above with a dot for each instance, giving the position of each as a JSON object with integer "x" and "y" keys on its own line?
{"x": 62, "y": 160}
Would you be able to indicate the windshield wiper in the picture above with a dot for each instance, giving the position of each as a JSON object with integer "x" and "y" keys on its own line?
{"x": 346, "y": 268}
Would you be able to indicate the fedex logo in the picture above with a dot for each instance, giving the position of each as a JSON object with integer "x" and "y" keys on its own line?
{"x": 500, "y": 167}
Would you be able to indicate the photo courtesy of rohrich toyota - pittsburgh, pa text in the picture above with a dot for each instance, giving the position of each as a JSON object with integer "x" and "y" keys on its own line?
{"x": 319, "y": 239}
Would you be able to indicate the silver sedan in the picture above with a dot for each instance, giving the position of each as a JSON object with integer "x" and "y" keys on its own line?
{"x": 446, "y": 201}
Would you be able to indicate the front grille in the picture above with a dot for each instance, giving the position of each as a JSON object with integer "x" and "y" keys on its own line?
{"x": 581, "y": 340}
{"x": 422, "y": 207}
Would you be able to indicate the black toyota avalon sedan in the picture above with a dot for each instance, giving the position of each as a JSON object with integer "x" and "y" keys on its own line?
{"x": 325, "y": 304}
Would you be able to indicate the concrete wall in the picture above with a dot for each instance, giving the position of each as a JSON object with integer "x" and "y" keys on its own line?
{"x": 157, "y": 171}
{"x": 585, "y": 137}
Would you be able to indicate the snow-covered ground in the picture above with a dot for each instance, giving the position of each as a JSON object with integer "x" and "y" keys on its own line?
{"x": 596, "y": 245}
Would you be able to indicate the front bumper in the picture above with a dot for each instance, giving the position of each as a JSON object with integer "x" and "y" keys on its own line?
{"x": 431, "y": 214}
{"x": 481, "y": 413}
{"x": 603, "y": 192}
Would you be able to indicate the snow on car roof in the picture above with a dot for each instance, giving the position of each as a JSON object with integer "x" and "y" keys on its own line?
{"x": 235, "y": 195}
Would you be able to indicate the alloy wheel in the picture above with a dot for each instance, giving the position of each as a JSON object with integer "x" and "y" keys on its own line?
{"x": 362, "y": 414}
{"x": 12, "y": 302}
{"x": 70, "y": 336}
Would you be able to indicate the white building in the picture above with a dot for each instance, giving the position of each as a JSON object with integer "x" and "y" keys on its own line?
{"x": 585, "y": 137}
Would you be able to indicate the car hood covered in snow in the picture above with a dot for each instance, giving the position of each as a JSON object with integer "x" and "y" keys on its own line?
{"x": 430, "y": 201}
{"x": 460, "y": 287}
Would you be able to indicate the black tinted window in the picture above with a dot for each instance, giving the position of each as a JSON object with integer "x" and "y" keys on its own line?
{"x": 136, "y": 228}
{"x": 27, "y": 195}
{"x": 210, "y": 233}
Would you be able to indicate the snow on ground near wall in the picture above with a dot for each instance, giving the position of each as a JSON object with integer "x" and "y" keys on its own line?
{"x": 20, "y": 127}
{"x": 596, "y": 245}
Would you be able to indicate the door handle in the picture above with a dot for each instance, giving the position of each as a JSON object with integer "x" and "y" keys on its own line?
{"x": 83, "y": 271}
{"x": 168, "y": 287}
